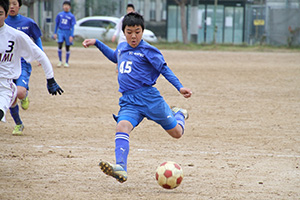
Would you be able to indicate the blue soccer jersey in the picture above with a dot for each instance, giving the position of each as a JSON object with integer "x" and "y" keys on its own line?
{"x": 64, "y": 21}
{"x": 138, "y": 67}
{"x": 24, "y": 24}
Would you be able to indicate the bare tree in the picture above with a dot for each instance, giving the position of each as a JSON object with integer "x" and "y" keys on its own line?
{"x": 182, "y": 4}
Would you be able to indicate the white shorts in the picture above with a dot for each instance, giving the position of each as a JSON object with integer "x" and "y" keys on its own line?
{"x": 8, "y": 93}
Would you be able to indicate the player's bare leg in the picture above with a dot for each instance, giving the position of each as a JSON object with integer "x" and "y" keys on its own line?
{"x": 181, "y": 115}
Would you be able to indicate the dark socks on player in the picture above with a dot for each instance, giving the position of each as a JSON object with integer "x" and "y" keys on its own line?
{"x": 14, "y": 111}
{"x": 1, "y": 114}
{"x": 180, "y": 120}
{"x": 122, "y": 149}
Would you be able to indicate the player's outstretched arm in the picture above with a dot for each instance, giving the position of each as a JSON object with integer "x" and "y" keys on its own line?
{"x": 88, "y": 42}
{"x": 106, "y": 50}
{"x": 186, "y": 92}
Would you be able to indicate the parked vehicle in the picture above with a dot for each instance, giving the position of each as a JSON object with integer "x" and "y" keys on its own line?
{"x": 103, "y": 28}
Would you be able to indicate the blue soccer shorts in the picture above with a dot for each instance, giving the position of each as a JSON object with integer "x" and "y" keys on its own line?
{"x": 23, "y": 79}
{"x": 63, "y": 36}
{"x": 145, "y": 102}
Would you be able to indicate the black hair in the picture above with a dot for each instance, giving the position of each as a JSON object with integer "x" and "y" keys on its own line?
{"x": 20, "y": 2}
{"x": 130, "y": 5}
{"x": 4, "y": 4}
{"x": 133, "y": 19}
{"x": 67, "y": 2}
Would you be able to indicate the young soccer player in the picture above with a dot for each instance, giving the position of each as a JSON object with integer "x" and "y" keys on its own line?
{"x": 15, "y": 44}
{"x": 29, "y": 27}
{"x": 64, "y": 31}
{"x": 140, "y": 64}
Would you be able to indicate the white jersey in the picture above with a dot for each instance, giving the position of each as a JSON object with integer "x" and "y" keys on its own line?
{"x": 15, "y": 44}
{"x": 119, "y": 31}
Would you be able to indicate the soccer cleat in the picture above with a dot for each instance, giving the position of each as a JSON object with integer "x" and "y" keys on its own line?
{"x": 59, "y": 64}
{"x": 18, "y": 130}
{"x": 25, "y": 103}
{"x": 183, "y": 111}
{"x": 115, "y": 171}
{"x": 66, "y": 65}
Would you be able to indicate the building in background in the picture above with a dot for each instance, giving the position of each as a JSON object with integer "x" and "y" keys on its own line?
{"x": 274, "y": 22}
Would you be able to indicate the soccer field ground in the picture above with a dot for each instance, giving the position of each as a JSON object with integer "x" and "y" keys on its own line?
{"x": 241, "y": 140}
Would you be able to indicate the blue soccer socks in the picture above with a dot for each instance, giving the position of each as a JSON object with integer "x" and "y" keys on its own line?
{"x": 122, "y": 149}
{"x": 59, "y": 51}
{"x": 14, "y": 111}
{"x": 180, "y": 115}
{"x": 180, "y": 120}
{"x": 67, "y": 56}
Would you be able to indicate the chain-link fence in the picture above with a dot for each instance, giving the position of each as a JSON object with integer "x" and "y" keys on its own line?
{"x": 283, "y": 27}
{"x": 274, "y": 25}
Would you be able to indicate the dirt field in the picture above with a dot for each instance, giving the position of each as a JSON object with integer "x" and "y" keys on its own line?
{"x": 241, "y": 140}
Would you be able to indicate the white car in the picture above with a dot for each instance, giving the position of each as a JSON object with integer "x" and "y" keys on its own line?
{"x": 103, "y": 28}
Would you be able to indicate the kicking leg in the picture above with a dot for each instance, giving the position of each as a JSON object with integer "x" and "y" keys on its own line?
{"x": 180, "y": 115}
{"x": 119, "y": 170}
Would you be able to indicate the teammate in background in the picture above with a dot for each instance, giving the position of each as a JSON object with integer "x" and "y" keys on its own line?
{"x": 119, "y": 32}
{"x": 64, "y": 31}
{"x": 29, "y": 27}
{"x": 139, "y": 64}
{"x": 15, "y": 44}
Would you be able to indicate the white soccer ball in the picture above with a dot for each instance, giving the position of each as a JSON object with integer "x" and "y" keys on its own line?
{"x": 169, "y": 175}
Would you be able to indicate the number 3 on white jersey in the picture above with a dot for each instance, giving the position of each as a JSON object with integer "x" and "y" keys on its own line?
{"x": 125, "y": 67}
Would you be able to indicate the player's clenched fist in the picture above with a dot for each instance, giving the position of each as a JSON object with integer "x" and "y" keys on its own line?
{"x": 88, "y": 42}
{"x": 186, "y": 92}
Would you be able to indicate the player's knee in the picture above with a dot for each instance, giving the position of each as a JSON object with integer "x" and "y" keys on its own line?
{"x": 21, "y": 93}
{"x": 177, "y": 135}
{"x": 60, "y": 44}
{"x": 1, "y": 114}
{"x": 175, "y": 132}
{"x": 124, "y": 126}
